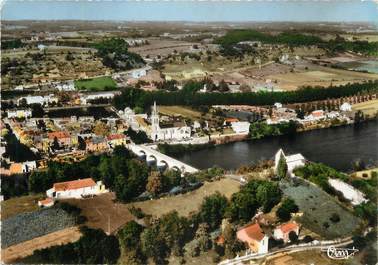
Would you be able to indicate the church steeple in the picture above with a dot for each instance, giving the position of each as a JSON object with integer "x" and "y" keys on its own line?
{"x": 155, "y": 118}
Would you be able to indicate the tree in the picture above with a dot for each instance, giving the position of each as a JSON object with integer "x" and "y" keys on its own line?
{"x": 203, "y": 238}
{"x": 293, "y": 237}
{"x": 100, "y": 128}
{"x": 129, "y": 235}
{"x": 335, "y": 218}
{"x": 213, "y": 209}
{"x": 37, "y": 110}
{"x": 284, "y": 211}
{"x": 153, "y": 245}
{"x": 154, "y": 184}
{"x": 81, "y": 143}
{"x": 282, "y": 167}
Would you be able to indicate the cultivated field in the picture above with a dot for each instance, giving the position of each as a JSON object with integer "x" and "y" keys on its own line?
{"x": 319, "y": 76}
{"x": 102, "y": 212}
{"x": 18, "y": 205}
{"x": 179, "y": 110}
{"x": 96, "y": 84}
{"x": 368, "y": 108}
{"x": 24, "y": 249}
{"x": 317, "y": 207}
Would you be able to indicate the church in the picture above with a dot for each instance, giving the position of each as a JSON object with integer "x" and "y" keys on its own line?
{"x": 165, "y": 134}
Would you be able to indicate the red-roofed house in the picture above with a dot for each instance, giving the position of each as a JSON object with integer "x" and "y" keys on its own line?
{"x": 76, "y": 189}
{"x": 254, "y": 237}
{"x": 63, "y": 137}
{"x": 116, "y": 139}
{"x": 283, "y": 231}
{"x": 48, "y": 202}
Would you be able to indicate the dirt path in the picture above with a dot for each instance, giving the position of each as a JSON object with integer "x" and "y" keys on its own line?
{"x": 24, "y": 249}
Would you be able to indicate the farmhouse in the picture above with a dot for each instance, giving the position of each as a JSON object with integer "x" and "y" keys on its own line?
{"x": 346, "y": 107}
{"x": 283, "y": 231}
{"x": 292, "y": 161}
{"x": 76, "y": 189}
{"x": 254, "y": 237}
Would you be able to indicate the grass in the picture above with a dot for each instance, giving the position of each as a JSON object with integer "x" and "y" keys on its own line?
{"x": 189, "y": 202}
{"x": 96, "y": 84}
{"x": 179, "y": 110}
{"x": 317, "y": 207}
{"x": 368, "y": 107}
{"x": 18, "y": 205}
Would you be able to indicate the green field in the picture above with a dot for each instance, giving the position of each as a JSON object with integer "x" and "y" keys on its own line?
{"x": 318, "y": 207}
{"x": 96, "y": 84}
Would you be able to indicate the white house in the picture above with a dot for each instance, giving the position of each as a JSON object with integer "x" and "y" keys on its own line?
{"x": 283, "y": 231}
{"x": 20, "y": 113}
{"x": 162, "y": 134}
{"x": 65, "y": 86}
{"x": 349, "y": 192}
{"x": 240, "y": 126}
{"x": 85, "y": 98}
{"x": 292, "y": 161}
{"x": 346, "y": 107}
{"x": 76, "y": 189}
{"x": 42, "y": 100}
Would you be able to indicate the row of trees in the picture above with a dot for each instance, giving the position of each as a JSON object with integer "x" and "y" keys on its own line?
{"x": 132, "y": 97}
{"x": 339, "y": 44}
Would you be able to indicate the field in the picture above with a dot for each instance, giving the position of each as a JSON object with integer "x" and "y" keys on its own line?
{"x": 319, "y": 76}
{"x": 102, "y": 212}
{"x": 96, "y": 84}
{"x": 187, "y": 203}
{"x": 178, "y": 110}
{"x": 24, "y": 249}
{"x": 359, "y": 174}
{"x": 368, "y": 108}
{"x": 18, "y": 205}
{"x": 317, "y": 207}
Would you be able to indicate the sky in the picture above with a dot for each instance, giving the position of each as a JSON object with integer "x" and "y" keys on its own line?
{"x": 194, "y": 10}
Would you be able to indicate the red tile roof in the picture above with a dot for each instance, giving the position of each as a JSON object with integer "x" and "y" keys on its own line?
{"x": 46, "y": 201}
{"x": 252, "y": 231}
{"x": 58, "y": 135}
{"x": 288, "y": 227}
{"x": 231, "y": 120}
{"x": 75, "y": 184}
{"x": 116, "y": 136}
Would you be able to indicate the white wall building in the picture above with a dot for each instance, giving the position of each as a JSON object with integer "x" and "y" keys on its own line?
{"x": 42, "y": 100}
{"x": 349, "y": 192}
{"x": 292, "y": 161}
{"x": 20, "y": 113}
{"x": 85, "y": 98}
{"x": 65, "y": 86}
{"x": 76, "y": 189}
{"x": 162, "y": 134}
{"x": 240, "y": 126}
{"x": 346, "y": 107}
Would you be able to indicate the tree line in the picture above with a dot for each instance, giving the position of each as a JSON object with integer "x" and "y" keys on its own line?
{"x": 188, "y": 96}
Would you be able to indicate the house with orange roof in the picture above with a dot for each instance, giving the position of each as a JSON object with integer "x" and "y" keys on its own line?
{"x": 254, "y": 237}
{"x": 48, "y": 202}
{"x": 116, "y": 139}
{"x": 64, "y": 138}
{"x": 283, "y": 231}
{"x": 76, "y": 189}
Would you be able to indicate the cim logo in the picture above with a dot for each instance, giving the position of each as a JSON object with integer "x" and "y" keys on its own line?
{"x": 340, "y": 253}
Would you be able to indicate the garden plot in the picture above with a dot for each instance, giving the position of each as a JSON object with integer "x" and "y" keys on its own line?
{"x": 318, "y": 208}
{"x": 26, "y": 226}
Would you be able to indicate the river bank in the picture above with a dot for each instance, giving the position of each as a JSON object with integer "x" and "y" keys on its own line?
{"x": 337, "y": 147}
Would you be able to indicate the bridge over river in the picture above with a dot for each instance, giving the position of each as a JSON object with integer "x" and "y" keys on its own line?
{"x": 161, "y": 160}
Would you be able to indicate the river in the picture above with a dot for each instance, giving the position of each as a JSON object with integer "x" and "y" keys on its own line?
{"x": 336, "y": 147}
